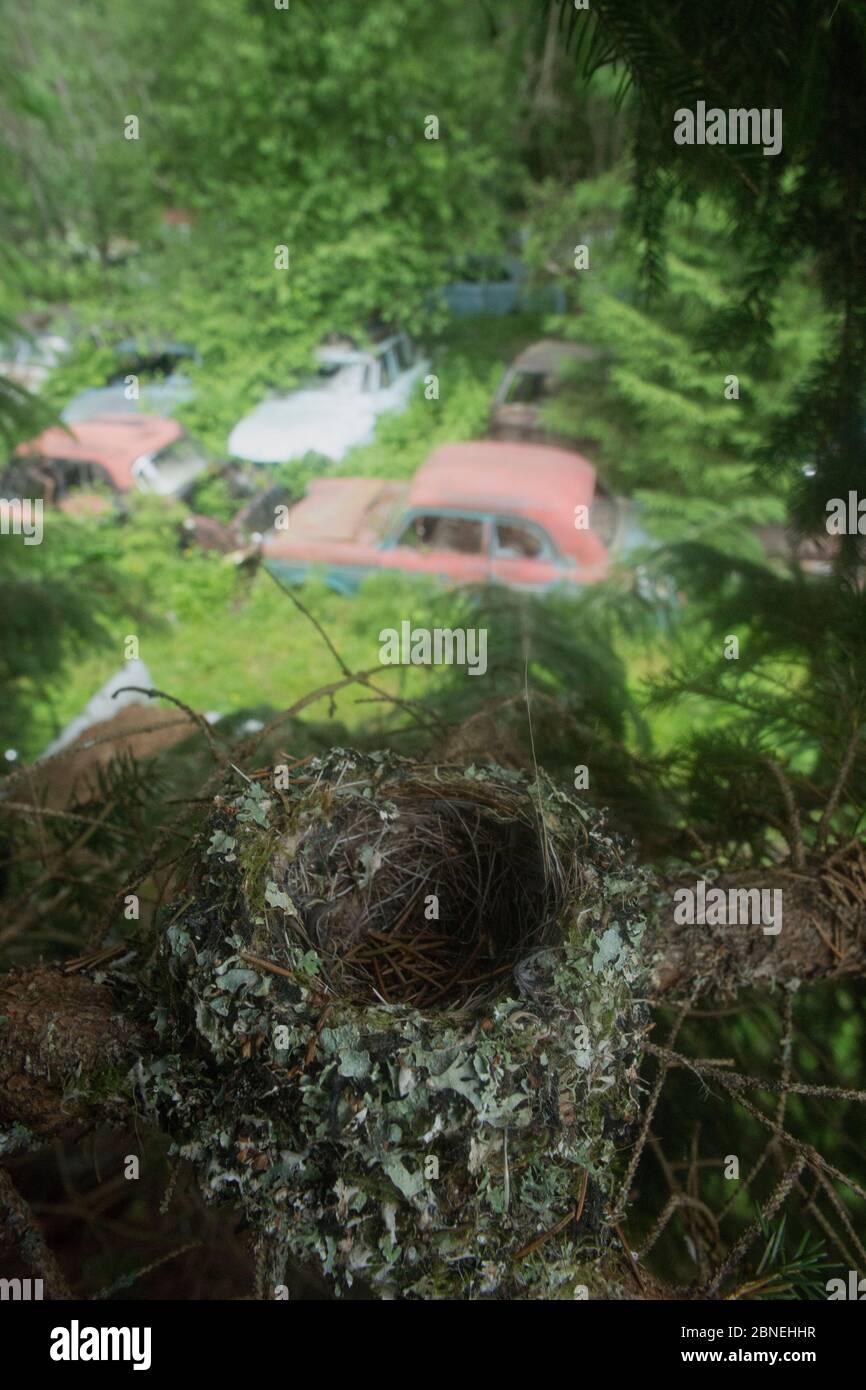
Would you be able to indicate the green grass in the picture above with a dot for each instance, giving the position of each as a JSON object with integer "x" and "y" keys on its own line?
{"x": 221, "y": 641}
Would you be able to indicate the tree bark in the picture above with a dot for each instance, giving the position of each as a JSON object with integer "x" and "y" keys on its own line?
{"x": 65, "y": 1043}
{"x": 823, "y": 933}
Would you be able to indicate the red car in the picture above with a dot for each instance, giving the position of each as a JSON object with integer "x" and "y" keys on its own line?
{"x": 525, "y": 515}
{"x": 114, "y": 453}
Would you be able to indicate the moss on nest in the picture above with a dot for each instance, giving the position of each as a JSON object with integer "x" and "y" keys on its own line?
{"x": 408, "y": 1100}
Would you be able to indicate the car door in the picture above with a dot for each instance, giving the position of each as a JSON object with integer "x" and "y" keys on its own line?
{"x": 454, "y": 546}
{"x": 522, "y": 555}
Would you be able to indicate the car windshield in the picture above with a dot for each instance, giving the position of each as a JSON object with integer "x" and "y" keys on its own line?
{"x": 181, "y": 453}
{"x": 527, "y": 388}
{"x": 337, "y": 377}
{"x": 171, "y": 471}
{"x": 154, "y": 367}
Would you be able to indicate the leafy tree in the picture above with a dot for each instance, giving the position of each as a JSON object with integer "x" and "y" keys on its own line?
{"x": 675, "y": 418}
{"x": 805, "y": 59}
{"x": 53, "y": 612}
{"x": 65, "y": 127}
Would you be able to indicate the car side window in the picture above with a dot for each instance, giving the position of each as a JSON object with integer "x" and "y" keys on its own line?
{"x": 79, "y": 473}
{"x": 67, "y": 473}
{"x": 517, "y": 540}
{"x": 99, "y": 477}
{"x": 439, "y": 531}
{"x": 389, "y": 368}
{"x": 403, "y": 353}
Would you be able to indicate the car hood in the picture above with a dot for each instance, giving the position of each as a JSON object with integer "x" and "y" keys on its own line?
{"x": 113, "y": 441}
{"x": 340, "y": 509}
{"x": 288, "y": 427}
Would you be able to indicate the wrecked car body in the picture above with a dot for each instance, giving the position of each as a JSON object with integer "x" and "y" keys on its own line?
{"x": 529, "y": 383}
{"x": 74, "y": 469}
{"x": 528, "y": 516}
{"x": 148, "y": 377}
{"x": 334, "y": 410}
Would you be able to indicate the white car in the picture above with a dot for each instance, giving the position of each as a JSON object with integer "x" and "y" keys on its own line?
{"x": 334, "y": 410}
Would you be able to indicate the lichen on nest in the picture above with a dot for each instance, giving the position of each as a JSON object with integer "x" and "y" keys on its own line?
{"x": 404, "y": 1008}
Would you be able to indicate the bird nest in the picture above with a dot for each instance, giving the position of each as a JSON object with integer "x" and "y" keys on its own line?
{"x": 412, "y": 993}
{"x": 429, "y": 900}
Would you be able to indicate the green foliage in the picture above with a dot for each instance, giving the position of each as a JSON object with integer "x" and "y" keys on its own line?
{"x": 63, "y": 132}
{"x": 802, "y": 1274}
{"x": 55, "y": 611}
{"x": 804, "y": 58}
{"x": 214, "y": 497}
{"x": 659, "y": 400}
{"x": 793, "y": 700}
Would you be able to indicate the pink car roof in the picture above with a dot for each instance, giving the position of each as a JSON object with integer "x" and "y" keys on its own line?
{"x": 114, "y": 441}
{"x": 531, "y": 480}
